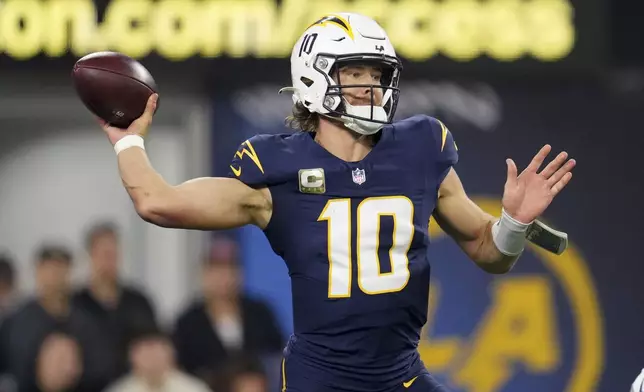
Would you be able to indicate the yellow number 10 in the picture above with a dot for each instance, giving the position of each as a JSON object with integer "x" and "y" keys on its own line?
{"x": 337, "y": 213}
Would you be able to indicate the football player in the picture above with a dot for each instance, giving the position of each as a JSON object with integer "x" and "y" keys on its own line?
{"x": 345, "y": 201}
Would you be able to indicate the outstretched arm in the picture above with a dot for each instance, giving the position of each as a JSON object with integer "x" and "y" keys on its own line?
{"x": 469, "y": 226}
{"x": 495, "y": 244}
{"x": 202, "y": 203}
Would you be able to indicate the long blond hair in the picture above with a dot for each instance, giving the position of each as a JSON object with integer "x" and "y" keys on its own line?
{"x": 302, "y": 119}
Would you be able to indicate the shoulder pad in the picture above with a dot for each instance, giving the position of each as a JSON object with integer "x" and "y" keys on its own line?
{"x": 433, "y": 135}
{"x": 263, "y": 160}
{"x": 436, "y": 141}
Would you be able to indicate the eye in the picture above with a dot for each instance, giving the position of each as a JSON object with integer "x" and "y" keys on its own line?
{"x": 356, "y": 75}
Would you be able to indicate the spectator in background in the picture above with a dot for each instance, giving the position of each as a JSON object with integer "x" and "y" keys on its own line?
{"x": 50, "y": 312}
{"x": 7, "y": 286}
{"x": 245, "y": 374}
{"x": 117, "y": 308}
{"x": 7, "y": 302}
{"x": 153, "y": 368}
{"x": 225, "y": 323}
{"x": 59, "y": 364}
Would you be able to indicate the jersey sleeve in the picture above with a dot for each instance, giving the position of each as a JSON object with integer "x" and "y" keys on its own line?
{"x": 252, "y": 162}
{"x": 447, "y": 150}
{"x": 443, "y": 148}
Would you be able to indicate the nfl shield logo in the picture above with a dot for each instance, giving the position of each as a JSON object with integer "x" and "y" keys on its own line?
{"x": 358, "y": 176}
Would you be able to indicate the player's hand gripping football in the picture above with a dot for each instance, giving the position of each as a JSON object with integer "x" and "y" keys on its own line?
{"x": 527, "y": 195}
{"x": 138, "y": 127}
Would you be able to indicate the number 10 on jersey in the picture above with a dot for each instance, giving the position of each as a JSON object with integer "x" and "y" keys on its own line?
{"x": 337, "y": 214}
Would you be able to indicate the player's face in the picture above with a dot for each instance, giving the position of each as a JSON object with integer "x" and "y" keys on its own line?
{"x": 361, "y": 74}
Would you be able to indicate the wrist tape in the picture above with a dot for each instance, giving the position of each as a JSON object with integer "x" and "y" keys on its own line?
{"x": 509, "y": 235}
{"x": 128, "y": 142}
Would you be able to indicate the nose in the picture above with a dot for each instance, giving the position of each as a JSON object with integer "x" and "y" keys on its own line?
{"x": 361, "y": 96}
{"x": 365, "y": 92}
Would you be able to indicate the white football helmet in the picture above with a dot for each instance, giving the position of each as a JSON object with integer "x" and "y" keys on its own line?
{"x": 335, "y": 41}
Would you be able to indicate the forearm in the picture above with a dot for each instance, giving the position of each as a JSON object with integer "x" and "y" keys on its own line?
{"x": 208, "y": 203}
{"x": 472, "y": 229}
{"x": 487, "y": 254}
{"x": 145, "y": 186}
{"x": 165, "y": 205}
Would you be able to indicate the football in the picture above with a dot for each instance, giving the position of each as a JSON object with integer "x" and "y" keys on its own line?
{"x": 113, "y": 86}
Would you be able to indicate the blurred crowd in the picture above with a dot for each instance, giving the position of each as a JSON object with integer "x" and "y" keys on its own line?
{"x": 104, "y": 335}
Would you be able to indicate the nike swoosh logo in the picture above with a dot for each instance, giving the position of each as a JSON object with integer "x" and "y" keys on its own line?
{"x": 408, "y": 383}
{"x": 237, "y": 172}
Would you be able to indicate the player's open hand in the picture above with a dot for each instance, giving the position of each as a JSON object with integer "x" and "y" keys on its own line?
{"x": 527, "y": 195}
{"x": 139, "y": 127}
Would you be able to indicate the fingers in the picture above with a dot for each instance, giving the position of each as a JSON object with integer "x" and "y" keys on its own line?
{"x": 143, "y": 121}
{"x": 561, "y": 184}
{"x": 555, "y": 164}
{"x": 563, "y": 170}
{"x": 512, "y": 172}
{"x": 141, "y": 124}
{"x": 539, "y": 158}
{"x": 104, "y": 124}
{"x": 150, "y": 107}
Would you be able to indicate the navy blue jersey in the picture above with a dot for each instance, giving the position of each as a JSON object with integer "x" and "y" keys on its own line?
{"x": 354, "y": 236}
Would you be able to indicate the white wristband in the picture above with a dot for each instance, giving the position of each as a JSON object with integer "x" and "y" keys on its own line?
{"x": 127, "y": 142}
{"x": 509, "y": 234}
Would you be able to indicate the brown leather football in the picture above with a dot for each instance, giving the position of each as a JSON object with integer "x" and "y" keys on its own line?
{"x": 113, "y": 86}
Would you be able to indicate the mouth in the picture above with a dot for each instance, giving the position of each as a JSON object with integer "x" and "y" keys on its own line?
{"x": 360, "y": 101}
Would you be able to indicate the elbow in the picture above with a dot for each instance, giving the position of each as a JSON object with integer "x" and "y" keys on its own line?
{"x": 156, "y": 210}
{"x": 149, "y": 211}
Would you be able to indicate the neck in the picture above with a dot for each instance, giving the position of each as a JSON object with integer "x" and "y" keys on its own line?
{"x": 5, "y": 298}
{"x": 153, "y": 381}
{"x": 156, "y": 381}
{"x": 342, "y": 142}
{"x": 56, "y": 304}
{"x": 106, "y": 292}
{"x": 222, "y": 306}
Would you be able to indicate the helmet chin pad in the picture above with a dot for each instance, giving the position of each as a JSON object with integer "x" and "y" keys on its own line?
{"x": 364, "y": 119}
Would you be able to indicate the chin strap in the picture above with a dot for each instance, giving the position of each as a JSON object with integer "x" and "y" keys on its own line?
{"x": 363, "y": 125}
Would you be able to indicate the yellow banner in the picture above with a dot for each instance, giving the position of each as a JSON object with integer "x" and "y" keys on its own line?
{"x": 461, "y": 30}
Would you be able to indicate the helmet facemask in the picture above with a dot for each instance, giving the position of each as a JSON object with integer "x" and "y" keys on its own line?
{"x": 363, "y": 119}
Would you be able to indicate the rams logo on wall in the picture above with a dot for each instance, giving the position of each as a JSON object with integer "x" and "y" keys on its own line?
{"x": 538, "y": 328}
